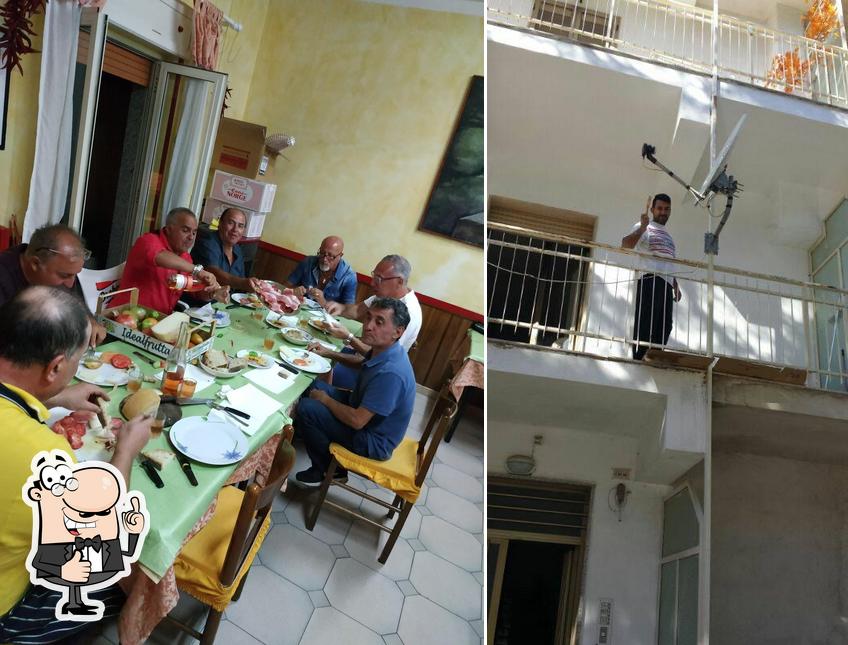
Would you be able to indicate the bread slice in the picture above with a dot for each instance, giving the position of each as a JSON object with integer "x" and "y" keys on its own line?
{"x": 161, "y": 457}
{"x": 216, "y": 359}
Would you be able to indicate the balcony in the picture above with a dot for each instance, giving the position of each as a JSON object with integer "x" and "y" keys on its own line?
{"x": 681, "y": 36}
{"x": 577, "y": 296}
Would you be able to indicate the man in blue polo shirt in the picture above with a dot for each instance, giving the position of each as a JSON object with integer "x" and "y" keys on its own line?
{"x": 325, "y": 276}
{"x": 219, "y": 253}
{"x": 372, "y": 419}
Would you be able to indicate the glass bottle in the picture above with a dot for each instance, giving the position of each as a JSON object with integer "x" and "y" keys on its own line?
{"x": 180, "y": 282}
{"x": 175, "y": 364}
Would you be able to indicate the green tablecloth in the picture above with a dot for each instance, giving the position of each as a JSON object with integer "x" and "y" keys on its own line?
{"x": 175, "y": 509}
{"x": 475, "y": 353}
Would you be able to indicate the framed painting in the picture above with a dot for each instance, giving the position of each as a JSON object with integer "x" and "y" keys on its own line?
{"x": 4, "y": 105}
{"x": 455, "y": 206}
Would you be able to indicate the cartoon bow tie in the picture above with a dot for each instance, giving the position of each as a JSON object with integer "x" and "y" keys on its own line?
{"x": 81, "y": 543}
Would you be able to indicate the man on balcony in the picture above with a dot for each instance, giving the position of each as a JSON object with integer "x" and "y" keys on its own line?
{"x": 657, "y": 289}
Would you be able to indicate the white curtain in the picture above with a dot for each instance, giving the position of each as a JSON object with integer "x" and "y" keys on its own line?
{"x": 181, "y": 180}
{"x": 48, "y": 189}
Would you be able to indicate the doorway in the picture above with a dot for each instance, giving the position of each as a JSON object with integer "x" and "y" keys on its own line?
{"x": 535, "y": 551}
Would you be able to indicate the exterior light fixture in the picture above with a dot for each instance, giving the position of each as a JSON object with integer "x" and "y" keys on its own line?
{"x": 524, "y": 465}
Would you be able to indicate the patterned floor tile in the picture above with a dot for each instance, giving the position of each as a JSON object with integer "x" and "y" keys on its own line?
{"x": 452, "y": 544}
{"x": 365, "y": 543}
{"x": 329, "y": 625}
{"x": 266, "y": 594}
{"x": 364, "y": 595}
{"x": 456, "y": 510}
{"x": 447, "y": 585}
{"x": 425, "y": 623}
{"x": 458, "y": 483}
{"x": 298, "y": 556}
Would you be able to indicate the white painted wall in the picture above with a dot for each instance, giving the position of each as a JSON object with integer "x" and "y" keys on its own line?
{"x": 623, "y": 557}
{"x": 779, "y": 551}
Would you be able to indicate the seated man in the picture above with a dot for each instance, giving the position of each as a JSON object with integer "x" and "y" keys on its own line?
{"x": 389, "y": 279}
{"x": 220, "y": 254}
{"x": 325, "y": 276}
{"x": 53, "y": 258}
{"x": 372, "y": 420}
{"x": 43, "y": 334}
{"x": 156, "y": 256}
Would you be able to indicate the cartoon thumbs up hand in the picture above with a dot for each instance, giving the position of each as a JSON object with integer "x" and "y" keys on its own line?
{"x": 134, "y": 519}
{"x": 76, "y": 569}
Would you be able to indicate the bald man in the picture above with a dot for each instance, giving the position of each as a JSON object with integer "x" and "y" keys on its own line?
{"x": 325, "y": 275}
{"x": 53, "y": 258}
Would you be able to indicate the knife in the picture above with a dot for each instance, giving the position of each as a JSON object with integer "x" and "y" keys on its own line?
{"x": 148, "y": 467}
{"x": 212, "y": 403}
{"x": 287, "y": 367}
{"x": 147, "y": 359}
{"x": 235, "y": 306}
{"x": 185, "y": 464}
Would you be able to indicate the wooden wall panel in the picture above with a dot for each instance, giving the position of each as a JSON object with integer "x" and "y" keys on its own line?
{"x": 441, "y": 331}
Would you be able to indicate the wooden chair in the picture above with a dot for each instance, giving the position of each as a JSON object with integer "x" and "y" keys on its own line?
{"x": 403, "y": 473}
{"x": 213, "y": 565}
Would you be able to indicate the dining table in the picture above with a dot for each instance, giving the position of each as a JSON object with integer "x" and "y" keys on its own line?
{"x": 178, "y": 510}
{"x": 468, "y": 365}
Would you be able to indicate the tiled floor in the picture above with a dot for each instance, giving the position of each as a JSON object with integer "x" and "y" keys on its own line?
{"x": 326, "y": 586}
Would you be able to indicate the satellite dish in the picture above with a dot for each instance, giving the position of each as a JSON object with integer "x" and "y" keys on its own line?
{"x": 712, "y": 180}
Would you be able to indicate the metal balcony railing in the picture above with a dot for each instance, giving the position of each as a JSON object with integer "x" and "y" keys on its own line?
{"x": 581, "y": 296}
{"x": 682, "y": 36}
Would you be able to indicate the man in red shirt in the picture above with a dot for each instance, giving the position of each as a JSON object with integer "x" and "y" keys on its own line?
{"x": 156, "y": 256}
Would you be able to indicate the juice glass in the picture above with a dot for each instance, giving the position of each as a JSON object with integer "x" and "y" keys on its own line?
{"x": 171, "y": 383}
{"x": 270, "y": 339}
{"x": 135, "y": 379}
{"x": 187, "y": 388}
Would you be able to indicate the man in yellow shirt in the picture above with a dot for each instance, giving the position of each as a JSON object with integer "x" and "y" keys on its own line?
{"x": 44, "y": 332}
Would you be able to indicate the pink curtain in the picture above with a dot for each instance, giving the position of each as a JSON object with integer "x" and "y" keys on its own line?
{"x": 207, "y": 33}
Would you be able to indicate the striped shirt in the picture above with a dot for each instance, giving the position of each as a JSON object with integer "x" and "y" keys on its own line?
{"x": 656, "y": 240}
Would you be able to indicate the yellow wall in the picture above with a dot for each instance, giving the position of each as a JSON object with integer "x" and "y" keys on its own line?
{"x": 16, "y": 159}
{"x": 239, "y": 50}
{"x": 371, "y": 93}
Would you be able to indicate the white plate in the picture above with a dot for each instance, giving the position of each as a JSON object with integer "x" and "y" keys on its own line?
{"x": 92, "y": 449}
{"x": 317, "y": 364}
{"x": 221, "y": 318}
{"x": 269, "y": 360}
{"x": 316, "y": 323}
{"x": 241, "y": 299}
{"x": 309, "y": 303}
{"x": 104, "y": 376}
{"x": 219, "y": 373}
{"x": 209, "y": 442}
{"x": 296, "y": 336}
{"x": 279, "y": 320}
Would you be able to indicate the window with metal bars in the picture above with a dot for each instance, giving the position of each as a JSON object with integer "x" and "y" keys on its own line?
{"x": 574, "y": 20}
{"x": 535, "y": 287}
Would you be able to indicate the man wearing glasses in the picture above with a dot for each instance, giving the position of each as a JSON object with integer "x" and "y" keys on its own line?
{"x": 53, "y": 258}
{"x": 389, "y": 279}
{"x": 325, "y": 276}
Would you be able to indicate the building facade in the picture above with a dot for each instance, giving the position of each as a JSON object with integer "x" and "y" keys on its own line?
{"x": 698, "y": 495}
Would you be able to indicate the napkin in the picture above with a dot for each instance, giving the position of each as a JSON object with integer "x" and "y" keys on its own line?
{"x": 259, "y": 405}
{"x": 203, "y": 379}
{"x": 269, "y": 379}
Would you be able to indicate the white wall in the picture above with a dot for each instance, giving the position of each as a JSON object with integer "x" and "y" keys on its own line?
{"x": 780, "y": 532}
{"x": 623, "y": 557}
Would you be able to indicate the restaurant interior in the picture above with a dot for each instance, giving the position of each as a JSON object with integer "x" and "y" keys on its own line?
{"x": 355, "y": 112}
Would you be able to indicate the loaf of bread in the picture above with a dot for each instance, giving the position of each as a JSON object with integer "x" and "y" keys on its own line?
{"x": 145, "y": 401}
{"x": 168, "y": 329}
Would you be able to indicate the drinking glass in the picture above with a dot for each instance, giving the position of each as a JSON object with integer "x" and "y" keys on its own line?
{"x": 136, "y": 378}
{"x": 187, "y": 388}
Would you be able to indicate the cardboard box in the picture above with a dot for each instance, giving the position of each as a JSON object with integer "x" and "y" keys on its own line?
{"x": 243, "y": 192}
{"x": 239, "y": 148}
{"x": 214, "y": 208}
{"x": 136, "y": 337}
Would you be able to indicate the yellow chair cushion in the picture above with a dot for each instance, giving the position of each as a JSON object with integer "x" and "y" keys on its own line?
{"x": 396, "y": 473}
{"x": 198, "y": 566}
